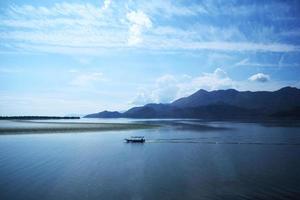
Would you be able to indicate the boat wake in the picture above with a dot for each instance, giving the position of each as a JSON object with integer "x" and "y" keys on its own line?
{"x": 198, "y": 141}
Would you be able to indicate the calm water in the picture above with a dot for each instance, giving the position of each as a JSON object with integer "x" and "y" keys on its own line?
{"x": 182, "y": 160}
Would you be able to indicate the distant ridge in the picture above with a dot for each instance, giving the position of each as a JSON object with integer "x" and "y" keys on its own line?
{"x": 105, "y": 114}
{"x": 220, "y": 104}
{"x": 271, "y": 101}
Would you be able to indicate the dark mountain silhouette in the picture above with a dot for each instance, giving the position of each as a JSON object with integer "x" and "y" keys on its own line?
{"x": 221, "y": 104}
{"x": 267, "y": 101}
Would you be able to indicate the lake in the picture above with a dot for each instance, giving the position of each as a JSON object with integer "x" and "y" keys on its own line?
{"x": 182, "y": 159}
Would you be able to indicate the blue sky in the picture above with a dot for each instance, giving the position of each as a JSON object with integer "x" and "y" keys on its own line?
{"x": 65, "y": 57}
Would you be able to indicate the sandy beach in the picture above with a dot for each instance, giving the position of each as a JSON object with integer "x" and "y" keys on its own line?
{"x": 30, "y": 127}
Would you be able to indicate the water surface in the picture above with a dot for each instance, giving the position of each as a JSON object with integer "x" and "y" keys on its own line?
{"x": 183, "y": 159}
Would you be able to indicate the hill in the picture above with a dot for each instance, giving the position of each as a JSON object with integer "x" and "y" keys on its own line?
{"x": 220, "y": 104}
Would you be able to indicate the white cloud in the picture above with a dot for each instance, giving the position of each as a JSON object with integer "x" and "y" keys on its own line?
{"x": 208, "y": 81}
{"x": 260, "y": 77}
{"x": 87, "y": 79}
{"x": 138, "y": 22}
{"x": 165, "y": 90}
{"x": 168, "y": 87}
{"x": 106, "y": 4}
{"x": 143, "y": 97}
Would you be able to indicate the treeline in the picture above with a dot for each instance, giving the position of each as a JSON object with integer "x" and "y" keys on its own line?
{"x": 34, "y": 117}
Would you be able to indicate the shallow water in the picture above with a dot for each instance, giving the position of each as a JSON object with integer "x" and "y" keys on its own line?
{"x": 184, "y": 159}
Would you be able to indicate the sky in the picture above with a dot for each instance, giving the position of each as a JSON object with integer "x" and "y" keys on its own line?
{"x": 80, "y": 57}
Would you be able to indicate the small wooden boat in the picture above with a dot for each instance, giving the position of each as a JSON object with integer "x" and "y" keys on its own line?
{"x": 135, "y": 139}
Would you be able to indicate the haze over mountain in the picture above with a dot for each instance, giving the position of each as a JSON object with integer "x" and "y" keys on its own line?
{"x": 220, "y": 104}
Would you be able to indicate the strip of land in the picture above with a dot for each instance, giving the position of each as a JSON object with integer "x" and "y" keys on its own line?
{"x": 34, "y": 117}
{"x": 31, "y": 127}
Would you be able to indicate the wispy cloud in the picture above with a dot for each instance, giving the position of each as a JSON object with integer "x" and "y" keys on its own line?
{"x": 86, "y": 79}
{"x": 84, "y": 28}
{"x": 168, "y": 8}
{"x": 291, "y": 33}
{"x": 247, "y": 62}
{"x": 7, "y": 70}
{"x": 44, "y": 104}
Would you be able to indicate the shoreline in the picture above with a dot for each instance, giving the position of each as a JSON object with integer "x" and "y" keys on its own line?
{"x": 34, "y": 117}
{"x": 29, "y": 127}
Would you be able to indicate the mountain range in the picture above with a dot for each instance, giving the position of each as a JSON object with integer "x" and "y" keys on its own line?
{"x": 220, "y": 104}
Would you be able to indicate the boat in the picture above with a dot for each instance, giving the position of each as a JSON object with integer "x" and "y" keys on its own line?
{"x": 135, "y": 139}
